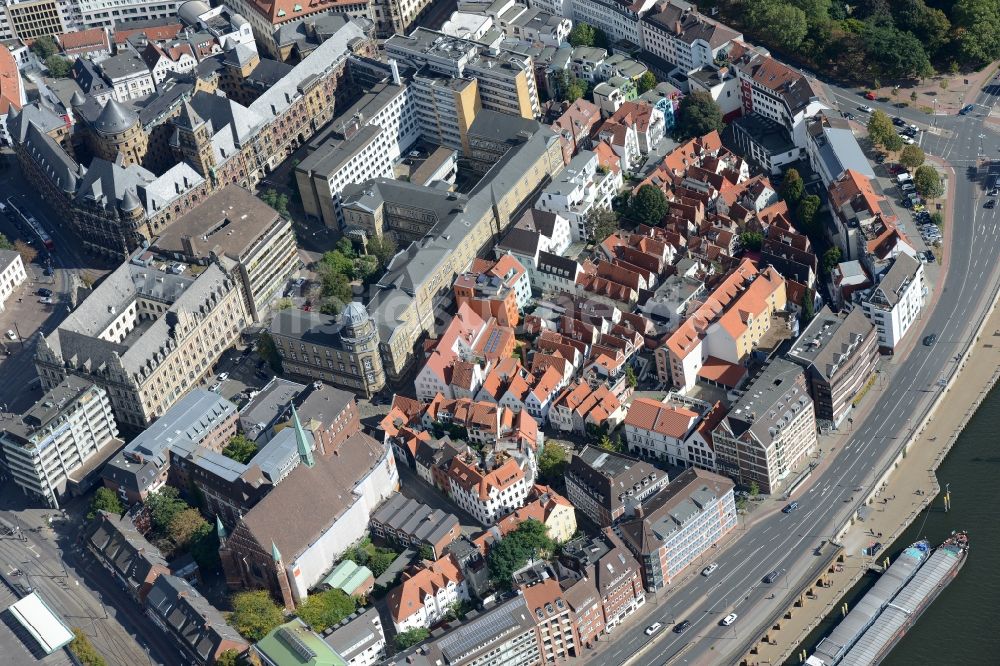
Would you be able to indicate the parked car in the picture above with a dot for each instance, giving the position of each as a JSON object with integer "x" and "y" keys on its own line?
{"x": 907, "y": 140}
{"x": 907, "y": 187}
{"x": 45, "y": 300}
{"x": 870, "y": 95}
{"x": 995, "y": 192}
{"x": 771, "y": 577}
{"x": 223, "y": 376}
{"x": 11, "y": 335}
{"x": 48, "y": 271}
{"x": 729, "y": 619}
{"x": 898, "y": 122}
{"x": 44, "y": 292}
{"x": 216, "y": 387}
{"x": 991, "y": 203}
{"x": 965, "y": 110}
{"x": 865, "y": 108}
{"x": 707, "y": 571}
{"x": 682, "y": 627}
{"x": 653, "y": 628}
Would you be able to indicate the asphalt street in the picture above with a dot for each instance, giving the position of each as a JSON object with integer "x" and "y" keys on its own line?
{"x": 786, "y": 542}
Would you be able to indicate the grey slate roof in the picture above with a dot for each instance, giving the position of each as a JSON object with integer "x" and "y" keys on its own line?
{"x": 415, "y": 519}
{"x": 115, "y": 118}
{"x": 50, "y": 157}
{"x": 105, "y": 183}
{"x": 903, "y": 269}
{"x": 268, "y": 406}
{"x": 776, "y": 390}
{"x": 355, "y": 634}
{"x": 829, "y": 340}
{"x": 32, "y": 114}
{"x": 332, "y": 156}
{"x": 123, "y": 65}
{"x": 124, "y": 548}
{"x": 193, "y": 620}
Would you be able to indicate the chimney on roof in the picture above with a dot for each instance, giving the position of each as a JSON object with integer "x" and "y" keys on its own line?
{"x": 394, "y": 66}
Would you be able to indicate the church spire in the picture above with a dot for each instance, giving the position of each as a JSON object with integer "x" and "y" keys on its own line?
{"x": 275, "y": 554}
{"x": 220, "y": 529}
{"x": 305, "y": 449}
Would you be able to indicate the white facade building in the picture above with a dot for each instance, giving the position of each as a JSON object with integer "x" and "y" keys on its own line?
{"x": 618, "y": 20}
{"x": 426, "y": 596}
{"x": 60, "y": 441}
{"x": 487, "y": 496}
{"x": 896, "y": 301}
{"x": 12, "y": 275}
{"x": 580, "y": 189}
{"x": 684, "y": 38}
{"x": 97, "y": 13}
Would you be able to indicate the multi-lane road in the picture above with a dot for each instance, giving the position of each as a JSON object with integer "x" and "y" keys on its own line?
{"x": 786, "y": 541}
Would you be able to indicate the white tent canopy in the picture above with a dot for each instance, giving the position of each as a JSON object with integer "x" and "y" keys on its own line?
{"x": 38, "y": 619}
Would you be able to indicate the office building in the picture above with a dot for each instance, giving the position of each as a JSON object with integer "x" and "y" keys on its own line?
{"x": 58, "y": 445}
{"x": 147, "y": 336}
{"x": 896, "y": 301}
{"x": 358, "y": 638}
{"x": 677, "y": 525}
{"x": 238, "y": 229}
{"x": 684, "y": 38}
{"x": 839, "y": 353}
{"x": 607, "y": 486}
{"x": 770, "y": 430}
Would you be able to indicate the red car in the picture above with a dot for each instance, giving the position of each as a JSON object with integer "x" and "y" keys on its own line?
{"x": 870, "y": 95}
{"x": 896, "y": 169}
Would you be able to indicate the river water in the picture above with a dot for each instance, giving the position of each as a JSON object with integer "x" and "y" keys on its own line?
{"x": 961, "y": 626}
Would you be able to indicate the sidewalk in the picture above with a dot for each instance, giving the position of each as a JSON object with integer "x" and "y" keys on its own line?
{"x": 955, "y": 94}
{"x": 897, "y": 505}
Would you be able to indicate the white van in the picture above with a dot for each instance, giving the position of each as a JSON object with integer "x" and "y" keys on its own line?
{"x": 903, "y": 178}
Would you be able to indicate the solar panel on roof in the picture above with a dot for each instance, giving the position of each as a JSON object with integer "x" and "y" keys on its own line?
{"x": 295, "y": 643}
{"x": 493, "y": 342}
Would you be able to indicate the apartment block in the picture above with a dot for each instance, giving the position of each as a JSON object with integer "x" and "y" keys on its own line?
{"x": 30, "y": 19}
{"x": 839, "y": 353}
{"x": 675, "y": 431}
{"x": 488, "y": 490}
{"x": 615, "y": 572}
{"x": 147, "y": 336}
{"x": 607, "y": 486}
{"x": 359, "y": 638}
{"x": 57, "y": 446}
{"x": 896, "y": 301}
{"x": 619, "y": 21}
{"x": 770, "y": 430}
{"x": 12, "y": 275}
{"x": 115, "y": 13}
{"x": 579, "y": 189}
{"x": 426, "y": 593}
{"x": 553, "y": 620}
{"x": 684, "y": 38}
{"x": 232, "y": 224}
{"x": 680, "y": 523}
{"x": 268, "y": 18}
{"x": 499, "y": 289}
{"x": 409, "y": 523}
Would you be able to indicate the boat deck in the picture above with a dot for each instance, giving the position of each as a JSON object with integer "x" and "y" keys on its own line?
{"x": 874, "y": 644}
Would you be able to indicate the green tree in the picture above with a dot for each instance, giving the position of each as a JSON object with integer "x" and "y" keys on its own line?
{"x": 630, "y": 377}
{"x": 411, "y": 637}
{"x": 204, "y": 547}
{"x": 977, "y": 24}
{"x": 185, "y": 526}
{"x": 268, "y": 351}
{"x": 44, "y": 46}
{"x": 830, "y": 259}
{"x": 366, "y": 267}
{"x": 105, "y": 499}
{"x": 582, "y": 34}
{"x": 806, "y": 213}
{"x": 808, "y": 309}
{"x": 58, "y": 67}
{"x": 529, "y": 541}
{"x": 5, "y": 243}
{"x": 163, "y": 506}
{"x": 792, "y": 188}
{"x": 912, "y": 156}
{"x": 383, "y": 247}
{"x": 894, "y": 54}
{"x": 84, "y": 651}
{"x": 609, "y": 444}
{"x": 276, "y": 200}
{"x": 568, "y": 88}
{"x": 322, "y": 611}
{"x": 240, "y": 448}
{"x": 928, "y": 183}
{"x": 751, "y": 240}
{"x": 893, "y": 143}
{"x": 552, "y": 462}
{"x": 228, "y": 658}
{"x": 426, "y": 552}
{"x": 649, "y": 205}
{"x": 646, "y": 82}
{"x": 698, "y": 115}
{"x": 880, "y": 128}
{"x": 255, "y": 614}
{"x": 601, "y": 223}
{"x": 913, "y": 96}
{"x": 781, "y": 24}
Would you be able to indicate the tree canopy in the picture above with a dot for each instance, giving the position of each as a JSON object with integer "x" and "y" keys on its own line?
{"x": 752, "y": 240}
{"x": 240, "y": 448}
{"x": 806, "y": 213}
{"x": 601, "y": 223}
{"x": 646, "y": 82}
{"x": 649, "y": 205}
{"x": 530, "y": 540}
{"x": 409, "y": 638}
{"x": 275, "y": 200}
{"x": 105, "y": 499}
{"x": 268, "y": 351}
{"x": 369, "y": 555}
{"x": 5, "y": 243}
{"x": 163, "y": 506}
{"x": 325, "y": 609}
{"x": 552, "y": 462}
{"x": 185, "y": 527}
{"x": 927, "y": 182}
{"x": 383, "y": 248}
{"x": 59, "y": 67}
{"x": 84, "y": 650}
{"x": 880, "y": 128}
{"x": 255, "y": 614}
{"x": 912, "y": 156}
{"x": 44, "y": 46}
{"x": 584, "y": 34}
{"x": 698, "y": 115}
{"x": 792, "y": 188}
{"x": 569, "y": 88}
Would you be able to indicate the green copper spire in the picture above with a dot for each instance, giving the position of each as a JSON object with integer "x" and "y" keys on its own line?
{"x": 305, "y": 450}
{"x": 220, "y": 529}
{"x": 274, "y": 553}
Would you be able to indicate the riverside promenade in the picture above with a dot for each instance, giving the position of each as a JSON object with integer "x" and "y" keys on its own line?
{"x": 908, "y": 489}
